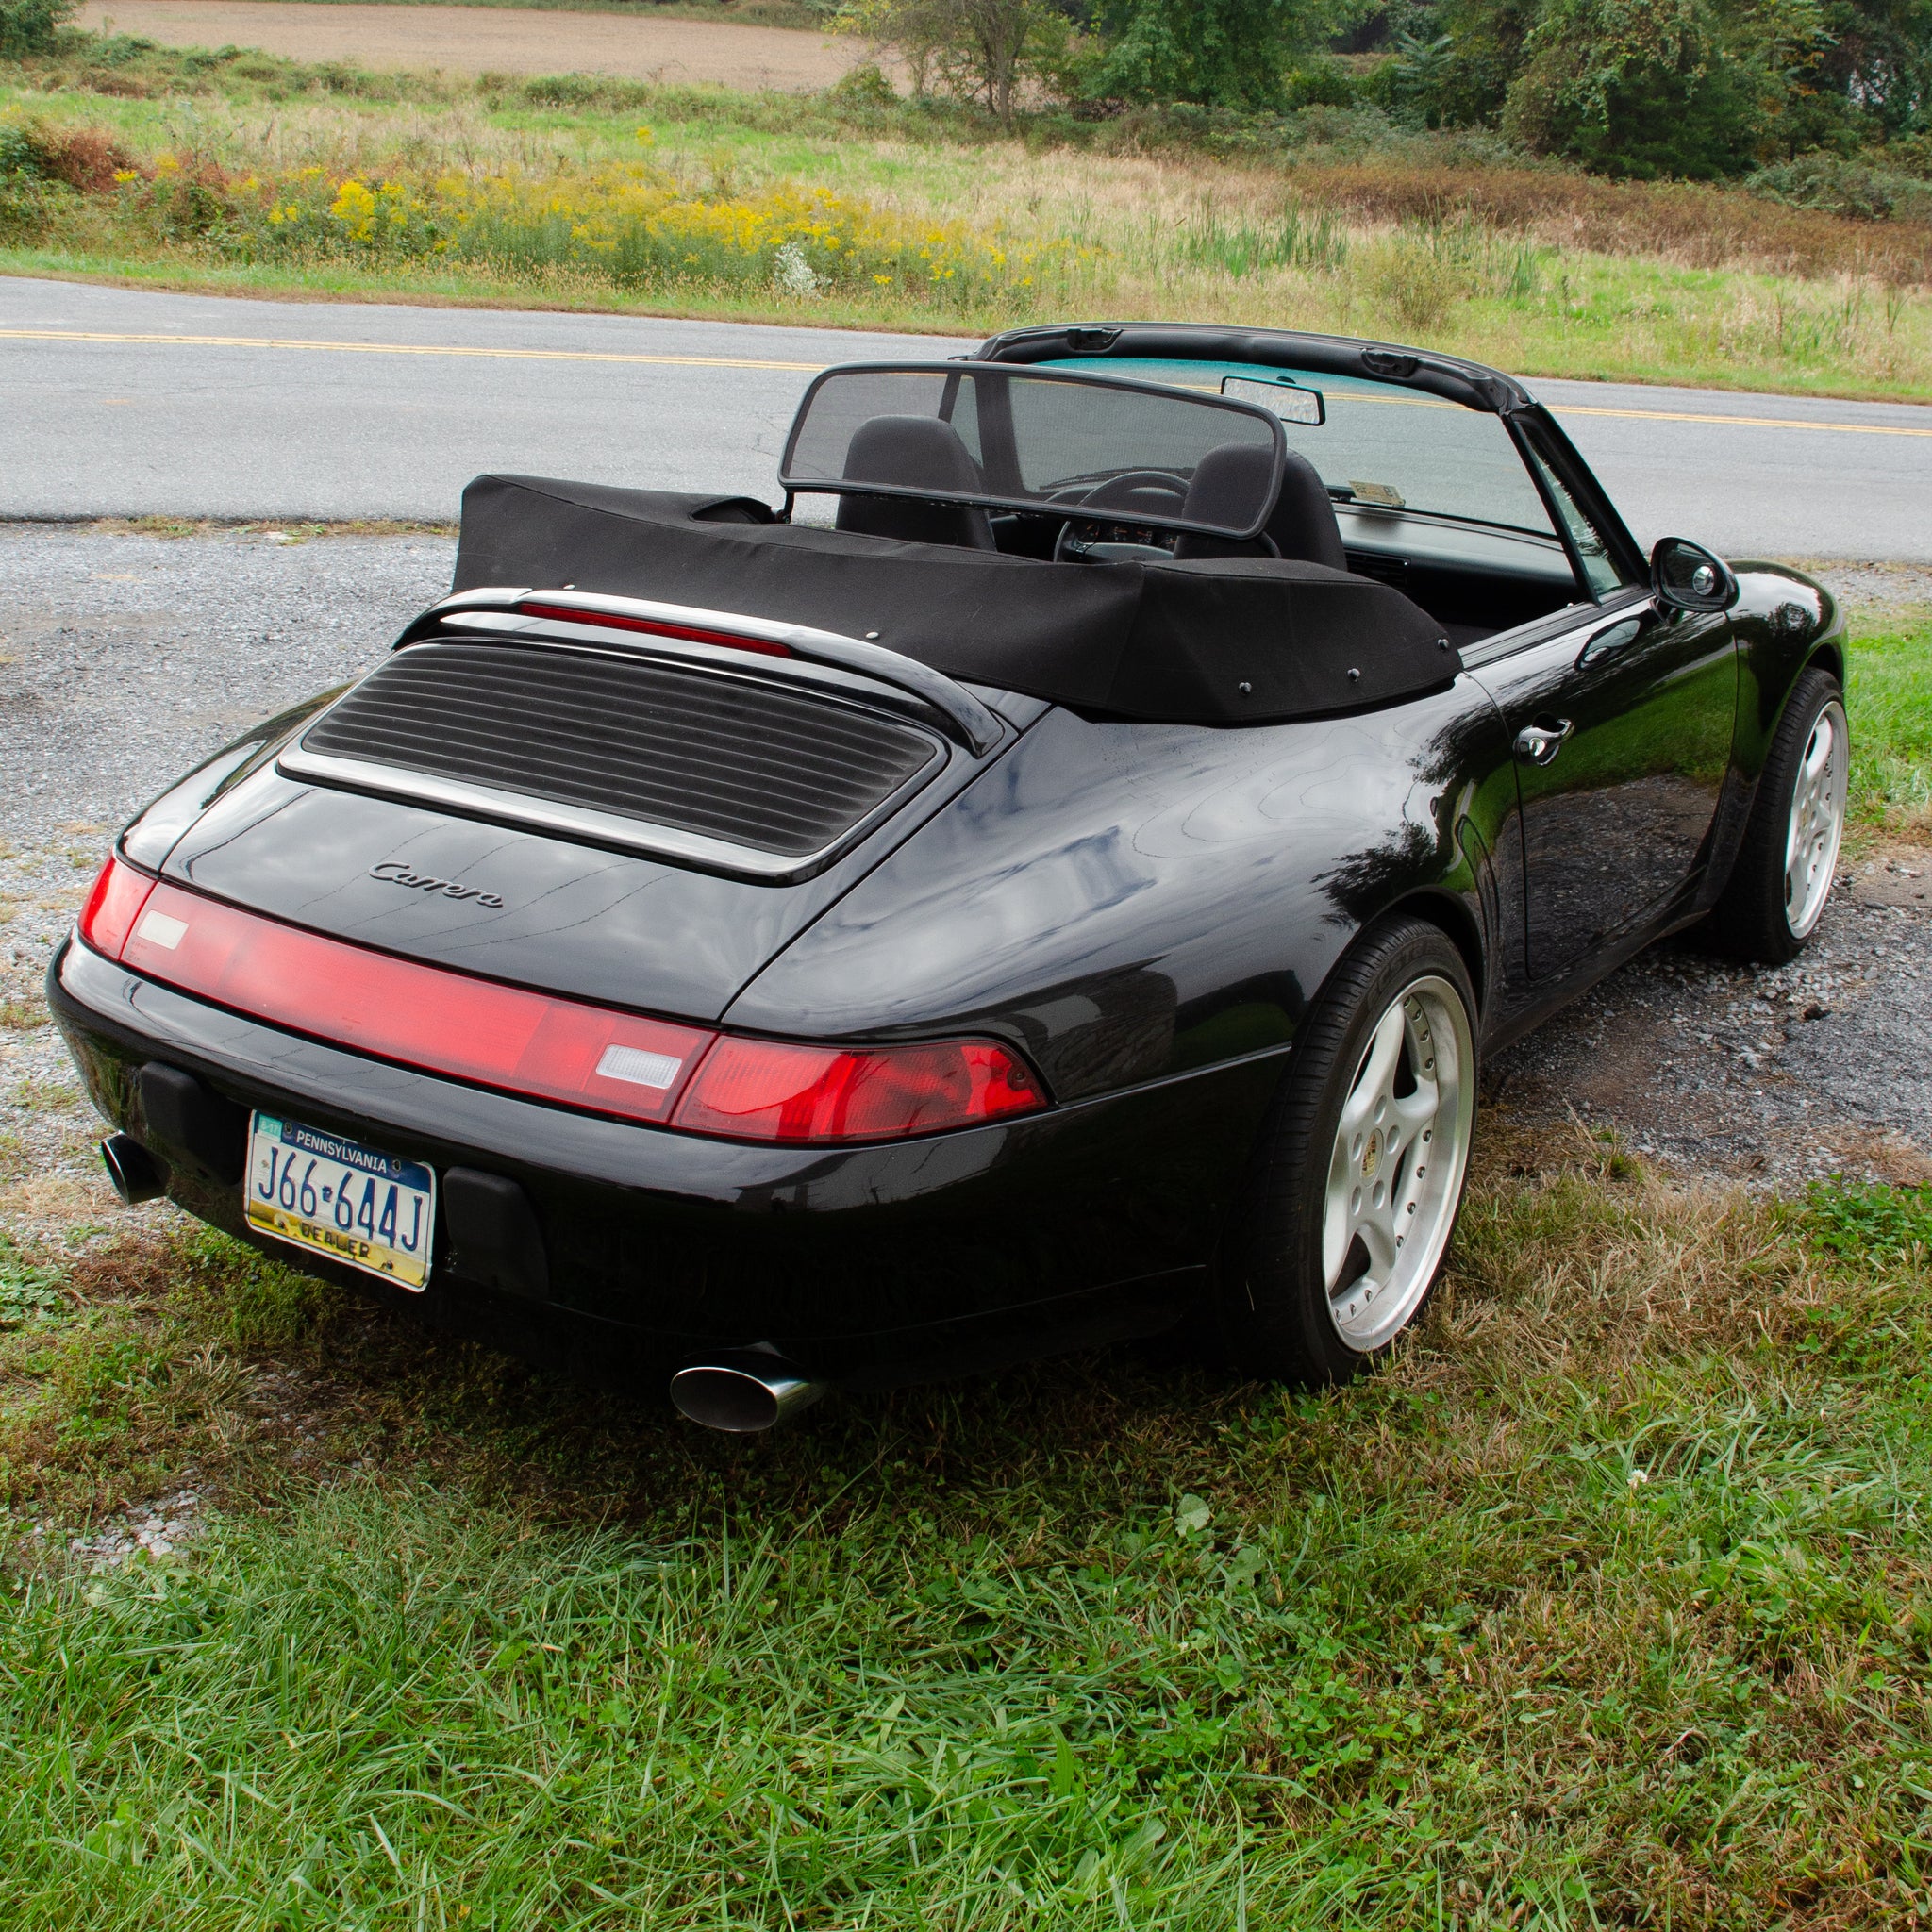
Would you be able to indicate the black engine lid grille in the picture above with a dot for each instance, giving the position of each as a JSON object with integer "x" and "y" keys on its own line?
{"x": 752, "y": 763}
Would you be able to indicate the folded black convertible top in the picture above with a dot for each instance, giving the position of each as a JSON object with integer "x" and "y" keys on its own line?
{"x": 1232, "y": 641}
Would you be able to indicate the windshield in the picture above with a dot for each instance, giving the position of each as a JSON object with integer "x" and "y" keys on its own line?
{"x": 1378, "y": 444}
{"x": 1023, "y": 439}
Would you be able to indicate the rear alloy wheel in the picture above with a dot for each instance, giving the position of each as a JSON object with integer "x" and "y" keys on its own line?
{"x": 1359, "y": 1174}
{"x": 1778, "y": 889}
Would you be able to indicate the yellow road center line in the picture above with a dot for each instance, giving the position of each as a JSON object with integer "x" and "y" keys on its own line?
{"x": 76, "y": 335}
{"x": 1749, "y": 422}
{"x": 87, "y": 335}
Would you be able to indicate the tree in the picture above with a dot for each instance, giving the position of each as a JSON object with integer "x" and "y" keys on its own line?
{"x": 31, "y": 26}
{"x": 1638, "y": 87}
{"x": 974, "y": 49}
{"x": 1208, "y": 53}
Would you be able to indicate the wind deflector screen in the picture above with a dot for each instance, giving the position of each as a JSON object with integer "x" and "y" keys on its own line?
{"x": 1038, "y": 440}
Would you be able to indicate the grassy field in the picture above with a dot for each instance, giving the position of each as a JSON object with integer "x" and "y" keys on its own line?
{"x": 245, "y": 173}
{"x": 1889, "y": 706}
{"x": 1609, "y": 1602}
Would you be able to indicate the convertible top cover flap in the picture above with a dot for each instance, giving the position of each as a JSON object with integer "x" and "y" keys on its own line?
{"x": 1222, "y": 641}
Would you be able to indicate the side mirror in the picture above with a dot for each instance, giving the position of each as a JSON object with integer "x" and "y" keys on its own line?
{"x": 1687, "y": 577}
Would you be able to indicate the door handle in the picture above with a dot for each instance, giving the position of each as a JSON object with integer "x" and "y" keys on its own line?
{"x": 1538, "y": 743}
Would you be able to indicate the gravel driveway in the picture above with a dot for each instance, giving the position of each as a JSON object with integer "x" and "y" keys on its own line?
{"x": 123, "y": 656}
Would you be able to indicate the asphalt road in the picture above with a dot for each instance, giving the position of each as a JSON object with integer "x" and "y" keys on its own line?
{"x": 124, "y": 402}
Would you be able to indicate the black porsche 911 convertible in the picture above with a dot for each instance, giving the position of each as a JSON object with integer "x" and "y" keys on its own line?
{"x": 1050, "y": 882}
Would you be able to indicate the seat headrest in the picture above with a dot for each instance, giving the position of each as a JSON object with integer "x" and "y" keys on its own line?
{"x": 1227, "y": 481}
{"x": 914, "y": 453}
{"x": 1302, "y": 525}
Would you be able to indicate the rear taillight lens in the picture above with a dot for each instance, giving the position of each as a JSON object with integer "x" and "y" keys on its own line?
{"x": 423, "y": 1016}
{"x": 113, "y": 904}
{"x": 688, "y": 1078}
{"x": 764, "y": 1089}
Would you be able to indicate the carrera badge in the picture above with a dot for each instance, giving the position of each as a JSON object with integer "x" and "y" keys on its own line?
{"x": 392, "y": 873}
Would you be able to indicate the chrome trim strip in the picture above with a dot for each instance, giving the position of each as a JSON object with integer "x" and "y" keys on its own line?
{"x": 970, "y": 722}
{"x": 584, "y": 825}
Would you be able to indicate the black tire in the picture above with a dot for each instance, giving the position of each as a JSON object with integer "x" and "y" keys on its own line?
{"x": 1752, "y": 920}
{"x": 1277, "y": 1320}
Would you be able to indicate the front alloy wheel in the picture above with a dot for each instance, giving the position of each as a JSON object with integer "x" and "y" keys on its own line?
{"x": 1788, "y": 858}
{"x": 1358, "y": 1176}
{"x": 1817, "y": 820}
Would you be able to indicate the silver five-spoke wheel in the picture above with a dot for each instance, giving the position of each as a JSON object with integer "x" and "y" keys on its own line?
{"x": 1817, "y": 820}
{"x": 1395, "y": 1171}
{"x": 1346, "y": 1213}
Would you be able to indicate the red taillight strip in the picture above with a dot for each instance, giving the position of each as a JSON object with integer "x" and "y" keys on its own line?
{"x": 689, "y": 633}
{"x": 688, "y": 1078}
{"x": 398, "y": 1009}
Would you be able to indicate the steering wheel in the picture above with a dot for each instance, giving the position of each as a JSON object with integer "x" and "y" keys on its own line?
{"x": 1162, "y": 480}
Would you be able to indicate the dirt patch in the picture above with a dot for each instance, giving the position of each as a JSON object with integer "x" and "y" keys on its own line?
{"x": 1775, "y": 1078}
{"x": 495, "y": 40}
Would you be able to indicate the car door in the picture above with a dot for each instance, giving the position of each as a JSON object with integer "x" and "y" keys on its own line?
{"x": 1621, "y": 722}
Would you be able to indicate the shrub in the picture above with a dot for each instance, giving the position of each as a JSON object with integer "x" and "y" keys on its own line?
{"x": 1208, "y": 53}
{"x": 1637, "y": 88}
{"x": 86, "y": 158}
{"x": 1842, "y": 187}
{"x": 31, "y": 26}
{"x": 864, "y": 86}
{"x": 1318, "y": 84}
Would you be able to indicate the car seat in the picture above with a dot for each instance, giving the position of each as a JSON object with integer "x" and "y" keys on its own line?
{"x": 913, "y": 453}
{"x": 1301, "y": 526}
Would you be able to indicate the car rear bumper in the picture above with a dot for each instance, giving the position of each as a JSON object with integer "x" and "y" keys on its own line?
{"x": 867, "y": 1265}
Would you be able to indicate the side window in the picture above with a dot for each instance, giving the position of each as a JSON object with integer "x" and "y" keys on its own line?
{"x": 1599, "y": 567}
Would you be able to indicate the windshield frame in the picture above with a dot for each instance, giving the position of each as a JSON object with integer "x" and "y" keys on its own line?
{"x": 1452, "y": 379}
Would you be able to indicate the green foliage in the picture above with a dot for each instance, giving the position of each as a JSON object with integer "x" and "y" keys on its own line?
{"x": 28, "y": 1295}
{"x": 31, "y": 26}
{"x": 1206, "y": 53}
{"x": 1872, "y": 66}
{"x": 1872, "y": 1224}
{"x": 1635, "y": 88}
{"x": 1300, "y": 238}
{"x": 1845, "y": 186}
{"x": 977, "y": 50}
{"x": 1317, "y": 83}
{"x": 1889, "y": 702}
{"x": 1681, "y": 87}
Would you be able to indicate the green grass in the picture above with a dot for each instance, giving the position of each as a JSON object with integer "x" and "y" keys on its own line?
{"x": 1890, "y": 708}
{"x": 1046, "y": 219}
{"x": 1606, "y": 1603}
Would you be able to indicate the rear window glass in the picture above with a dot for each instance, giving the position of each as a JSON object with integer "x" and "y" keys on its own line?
{"x": 1381, "y": 443}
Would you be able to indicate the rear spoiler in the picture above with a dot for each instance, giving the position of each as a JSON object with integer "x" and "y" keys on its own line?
{"x": 681, "y": 630}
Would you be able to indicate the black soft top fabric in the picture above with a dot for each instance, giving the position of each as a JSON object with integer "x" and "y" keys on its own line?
{"x": 1220, "y": 641}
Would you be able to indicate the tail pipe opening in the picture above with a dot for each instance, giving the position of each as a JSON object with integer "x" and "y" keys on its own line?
{"x": 743, "y": 1390}
{"x": 137, "y": 1176}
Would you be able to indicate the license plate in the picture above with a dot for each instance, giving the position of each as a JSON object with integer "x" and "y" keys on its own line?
{"x": 357, "y": 1205}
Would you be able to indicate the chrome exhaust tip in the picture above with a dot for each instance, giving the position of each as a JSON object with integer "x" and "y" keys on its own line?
{"x": 137, "y": 1176}
{"x": 743, "y": 1390}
